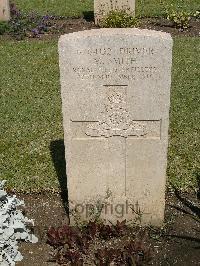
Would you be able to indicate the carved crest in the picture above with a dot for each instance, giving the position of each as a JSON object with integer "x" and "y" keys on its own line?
{"x": 116, "y": 120}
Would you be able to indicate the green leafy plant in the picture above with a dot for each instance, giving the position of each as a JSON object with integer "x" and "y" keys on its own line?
{"x": 179, "y": 18}
{"x": 3, "y": 27}
{"x": 119, "y": 19}
{"x": 197, "y": 14}
{"x": 29, "y": 25}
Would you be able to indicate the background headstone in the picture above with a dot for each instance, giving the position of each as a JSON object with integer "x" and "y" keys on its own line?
{"x": 115, "y": 100}
{"x": 103, "y": 7}
{"x": 4, "y": 10}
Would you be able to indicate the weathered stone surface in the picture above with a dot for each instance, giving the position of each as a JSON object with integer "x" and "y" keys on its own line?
{"x": 116, "y": 99}
{"x": 4, "y": 10}
{"x": 103, "y": 7}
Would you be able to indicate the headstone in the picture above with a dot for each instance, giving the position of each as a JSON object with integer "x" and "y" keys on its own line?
{"x": 4, "y": 10}
{"x": 115, "y": 101}
{"x": 103, "y": 7}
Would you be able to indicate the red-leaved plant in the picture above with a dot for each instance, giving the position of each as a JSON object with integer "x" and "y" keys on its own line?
{"x": 72, "y": 244}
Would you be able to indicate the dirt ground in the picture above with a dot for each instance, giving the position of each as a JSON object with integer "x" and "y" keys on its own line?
{"x": 178, "y": 243}
{"x": 72, "y": 25}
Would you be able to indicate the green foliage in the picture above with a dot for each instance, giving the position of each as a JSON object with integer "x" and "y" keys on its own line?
{"x": 119, "y": 19}
{"x": 18, "y": 26}
{"x": 31, "y": 25}
{"x": 179, "y": 18}
{"x": 23, "y": 25}
{"x": 3, "y": 27}
{"x": 197, "y": 14}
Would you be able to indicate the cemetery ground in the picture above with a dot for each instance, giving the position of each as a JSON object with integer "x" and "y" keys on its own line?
{"x": 32, "y": 135}
{"x": 32, "y": 148}
{"x": 144, "y": 8}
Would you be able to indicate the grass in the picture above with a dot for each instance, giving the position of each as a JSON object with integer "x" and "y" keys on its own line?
{"x": 31, "y": 120}
{"x": 154, "y": 8}
{"x": 31, "y": 113}
{"x": 77, "y": 7}
{"x": 69, "y": 8}
{"x": 184, "y": 151}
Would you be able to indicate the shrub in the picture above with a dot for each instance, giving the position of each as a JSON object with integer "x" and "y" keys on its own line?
{"x": 29, "y": 25}
{"x": 119, "y": 19}
{"x": 197, "y": 14}
{"x": 180, "y": 19}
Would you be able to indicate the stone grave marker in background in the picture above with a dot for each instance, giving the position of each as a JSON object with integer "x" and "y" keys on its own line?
{"x": 115, "y": 100}
{"x": 4, "y": 10}
{"x": 103, "y": 7}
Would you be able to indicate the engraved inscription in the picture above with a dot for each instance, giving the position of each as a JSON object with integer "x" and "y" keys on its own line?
{"x": 116, "y": 120}
{"x": 129, "y": 64}
{"x": 123, "y": 73}
{"x": 108, "y": 51}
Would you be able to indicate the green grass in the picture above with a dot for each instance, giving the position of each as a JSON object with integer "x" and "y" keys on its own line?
{"x": 68, "y": 8}
{"x": 77, "y": 7}
{"x": 184, "y": 151}
{"x": 31, "y": 113}
{"x": 153, "y": 8}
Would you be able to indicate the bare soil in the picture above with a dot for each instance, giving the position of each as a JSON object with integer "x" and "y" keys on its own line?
{"x": 159, "y": 24}
{"x": 69, "y": 25}
{"x": 164, "y": 25}
{"x": 177, "y": 243}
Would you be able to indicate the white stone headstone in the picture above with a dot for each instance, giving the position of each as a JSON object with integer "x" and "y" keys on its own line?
{"x": 103, "y": 7}
{"x": 4, "y": 10}
{"x": 115, "y": 101}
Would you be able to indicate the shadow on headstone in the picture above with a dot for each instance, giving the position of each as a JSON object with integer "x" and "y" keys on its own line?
{"x": 57, "y": 149}
{"x": 88, "y": 16}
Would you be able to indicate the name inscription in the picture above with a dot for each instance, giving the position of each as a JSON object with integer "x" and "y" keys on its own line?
{"x": 128, "y": 65}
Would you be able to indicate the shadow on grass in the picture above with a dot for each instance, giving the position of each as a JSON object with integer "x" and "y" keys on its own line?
{"x": 198, "y": 184}
{"x": 193, "y": 206}
{"x": 88, "y": 16}
{"x": 188, "y": 203}
{"x": 185, "y": 237}
{"x": 191, "y": 209}
{"x": 189, "y": 238}
{"x": 57, "y": 149}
